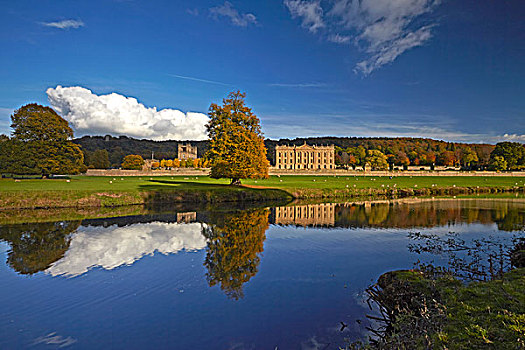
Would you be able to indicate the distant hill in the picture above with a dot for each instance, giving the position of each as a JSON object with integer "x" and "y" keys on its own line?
{"x": 119, "y": 147}
{"x": 417, "y": 150}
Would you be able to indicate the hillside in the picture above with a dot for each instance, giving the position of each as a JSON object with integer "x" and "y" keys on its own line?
{"x": 415, "y": 150}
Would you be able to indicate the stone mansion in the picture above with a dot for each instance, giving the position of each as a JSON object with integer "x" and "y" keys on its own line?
{"x": 305, "y": 157}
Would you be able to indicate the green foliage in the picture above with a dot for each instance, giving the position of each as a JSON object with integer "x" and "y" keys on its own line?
{"x": 376, "y": 160}
{"x": 133, "y": 162}
{"x": 34, "y": 122}
{"x": 236, "y": 150}
{"x": 512, "y": 152}
{"x": 498, "y": 163}
{"x": 422, "y": 151}
{"x": 42, "y": 158}
{"x": 98, "y": 159}
{"x": 119, "y": 147}
{"x": 468, "y": 156}
{"x": 40, "y": 144}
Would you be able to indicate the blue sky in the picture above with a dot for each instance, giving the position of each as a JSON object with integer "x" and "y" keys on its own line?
{"x": 451, "y": 70}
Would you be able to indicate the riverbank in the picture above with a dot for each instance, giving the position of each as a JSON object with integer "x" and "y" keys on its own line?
{"x": 89, "y": 191}
{"x": 422, "y": 309}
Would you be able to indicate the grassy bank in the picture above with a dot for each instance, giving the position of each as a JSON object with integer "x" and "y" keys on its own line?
{"x": 82, "y": 191}
{"x": 422, "y": 311}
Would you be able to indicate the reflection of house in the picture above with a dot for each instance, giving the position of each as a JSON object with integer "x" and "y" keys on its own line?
{"x": 187, "y": 151}
{"x": 306, "y": 215}
{"x": 305, "y": 157}
{"x": 187, "y": 217}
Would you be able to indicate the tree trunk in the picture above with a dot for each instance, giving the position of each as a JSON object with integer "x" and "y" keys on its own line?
{"x": 235, "y": 182}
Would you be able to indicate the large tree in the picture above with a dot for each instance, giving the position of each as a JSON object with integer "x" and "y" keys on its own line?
{"x": 512, "y": 152}
{"x": 40, "y": 144}
{"x": 236, "y": 149}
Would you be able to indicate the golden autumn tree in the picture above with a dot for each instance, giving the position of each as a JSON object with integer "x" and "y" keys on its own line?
{"x": 236, "y": 149}
{"x": 132, "y": 162}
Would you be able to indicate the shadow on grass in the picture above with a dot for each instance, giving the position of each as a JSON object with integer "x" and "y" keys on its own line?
{"x": 162, "y": 192}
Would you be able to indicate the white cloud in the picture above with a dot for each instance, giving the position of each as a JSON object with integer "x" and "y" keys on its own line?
{"x": 388, "y": 53}
{"x": 65, "y": 24}
{"x": 310, "y": 11}
{"x": 111, "y": 247}
{"x": 513, "y": 138}
{"x": 339, "y": 39}
{"x": 383, "y": 29}
{"x": 120, "y": 115}
{"x": 237, "y": 19}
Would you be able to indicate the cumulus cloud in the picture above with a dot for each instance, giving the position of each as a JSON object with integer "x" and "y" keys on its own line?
{"x": 514, "y": 138}
{"x": 383, "y": 29}
{"x": 116, "y": 246}
{"x": 120, "y": 115}
{"x": 237, "y": 19}
{"x": 311, "y": 13}
{"x": 65, "y": 24}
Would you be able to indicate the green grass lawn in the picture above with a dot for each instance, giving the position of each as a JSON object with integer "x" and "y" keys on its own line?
{"x": 111, "y": 191}
{"x": 98, "y": 184}
{"x": 366, "y": 182}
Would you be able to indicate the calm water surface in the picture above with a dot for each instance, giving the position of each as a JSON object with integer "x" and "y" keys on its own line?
{"x": 271, "y": 278}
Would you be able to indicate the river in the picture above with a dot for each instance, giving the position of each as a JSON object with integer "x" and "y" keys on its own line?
{"x": 289, "y": 277}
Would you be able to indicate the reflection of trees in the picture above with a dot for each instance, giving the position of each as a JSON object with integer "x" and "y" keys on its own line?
{"x": 35, "y": 246}
{"x": 234, "y": 241}
{"x": 475, "y": 260}
{"x": 507, "y": 216}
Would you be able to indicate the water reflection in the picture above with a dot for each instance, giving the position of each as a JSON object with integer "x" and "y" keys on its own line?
{"x": 115, "y": 246}
{"x": 412, "y": 213}
{"x": 235, "y": 241}
{"x": 308, "y": 281}
{"x": 34, "y": 247}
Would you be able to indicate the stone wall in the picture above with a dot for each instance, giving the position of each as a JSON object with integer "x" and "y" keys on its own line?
{"x": 174, "y": 172}
{"x": 321, "y": 172}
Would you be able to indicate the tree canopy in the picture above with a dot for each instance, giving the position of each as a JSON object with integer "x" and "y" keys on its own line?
{"x": 376, "y": 160}
{"x": 40, "y": 144}
{"x": 133, "y": 162}
{"x": 236, "y": 149}
{"x": 98, "y": 159}
{"x": 34, "y": 122}
{"x": 513, "y": 153}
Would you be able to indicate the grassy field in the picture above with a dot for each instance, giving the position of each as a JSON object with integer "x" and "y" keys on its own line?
{"x": 84, "y": 191}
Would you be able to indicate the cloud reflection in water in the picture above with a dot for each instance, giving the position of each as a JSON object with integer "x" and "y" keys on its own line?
{"x": 111, "y": 247}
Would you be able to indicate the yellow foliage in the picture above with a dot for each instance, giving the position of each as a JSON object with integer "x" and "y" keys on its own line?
{"x": 236, "y": 149}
